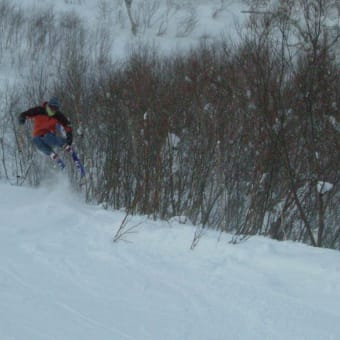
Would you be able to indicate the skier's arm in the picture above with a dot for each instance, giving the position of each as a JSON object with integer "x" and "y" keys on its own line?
{"x": 60, "y": 117}
{"x": 29, "y": 114}
{"x": 67, "y": 126}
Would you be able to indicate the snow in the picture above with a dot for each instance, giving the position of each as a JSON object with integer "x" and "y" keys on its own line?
{"x": 324, "y": 187}
{"x": 161, "y": 27}
{"x": 62, "y": 277}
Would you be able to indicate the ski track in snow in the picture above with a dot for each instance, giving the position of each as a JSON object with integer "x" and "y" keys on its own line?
{"x": 62, "y": 277}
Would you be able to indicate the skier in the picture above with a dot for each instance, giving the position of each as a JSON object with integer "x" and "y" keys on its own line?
{"x": 46, "y": 120}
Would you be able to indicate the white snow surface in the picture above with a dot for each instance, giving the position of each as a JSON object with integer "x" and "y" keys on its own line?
{"x": 162, "y": 24}
{"x": 62, "y": 277}
{"x": 324, "y": 187}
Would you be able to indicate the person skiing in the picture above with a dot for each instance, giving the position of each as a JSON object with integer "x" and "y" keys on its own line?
{"x": 47, "y": 118}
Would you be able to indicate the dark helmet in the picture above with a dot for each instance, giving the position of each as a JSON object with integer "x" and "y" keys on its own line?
{"x": 53, "y": 103}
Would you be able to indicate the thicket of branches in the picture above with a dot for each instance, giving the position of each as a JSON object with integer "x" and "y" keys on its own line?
{"x": 241, "y": 137}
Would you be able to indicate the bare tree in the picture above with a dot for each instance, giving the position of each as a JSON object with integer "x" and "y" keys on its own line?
{"x": 128, "y": 4}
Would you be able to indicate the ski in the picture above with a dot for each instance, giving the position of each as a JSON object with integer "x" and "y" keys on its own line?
{"x": 76, "y": 161}
{"x": 57, "y": 160}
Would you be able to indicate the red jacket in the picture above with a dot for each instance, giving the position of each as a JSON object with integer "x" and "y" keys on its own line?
{"x": 42, "y": 122}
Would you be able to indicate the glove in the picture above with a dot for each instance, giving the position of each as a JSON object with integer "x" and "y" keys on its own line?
{"x": 21, "y": 120}
{"x": 69, "y": 138}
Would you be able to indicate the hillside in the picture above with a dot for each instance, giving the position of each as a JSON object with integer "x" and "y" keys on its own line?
{"x": 62, "y": 277}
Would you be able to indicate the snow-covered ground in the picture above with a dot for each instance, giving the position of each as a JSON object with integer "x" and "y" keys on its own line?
{"x": 168, "y": 25}
{"x": 62, "y": 278}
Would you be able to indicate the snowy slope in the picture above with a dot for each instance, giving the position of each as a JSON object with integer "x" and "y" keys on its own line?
{"x": 62, "y": 278}
{"x": 161, "y": 23}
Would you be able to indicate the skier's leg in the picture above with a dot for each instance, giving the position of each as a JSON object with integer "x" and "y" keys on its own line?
{"x": 53, "y": 140}
{"x": 56, "y": 159}
{"x": 42, "y": 146}
{"x": 75, "y": 159}
{"x": 46, "y": 148}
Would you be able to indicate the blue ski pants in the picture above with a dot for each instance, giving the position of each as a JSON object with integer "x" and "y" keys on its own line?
{"x": 47, "y": 142}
